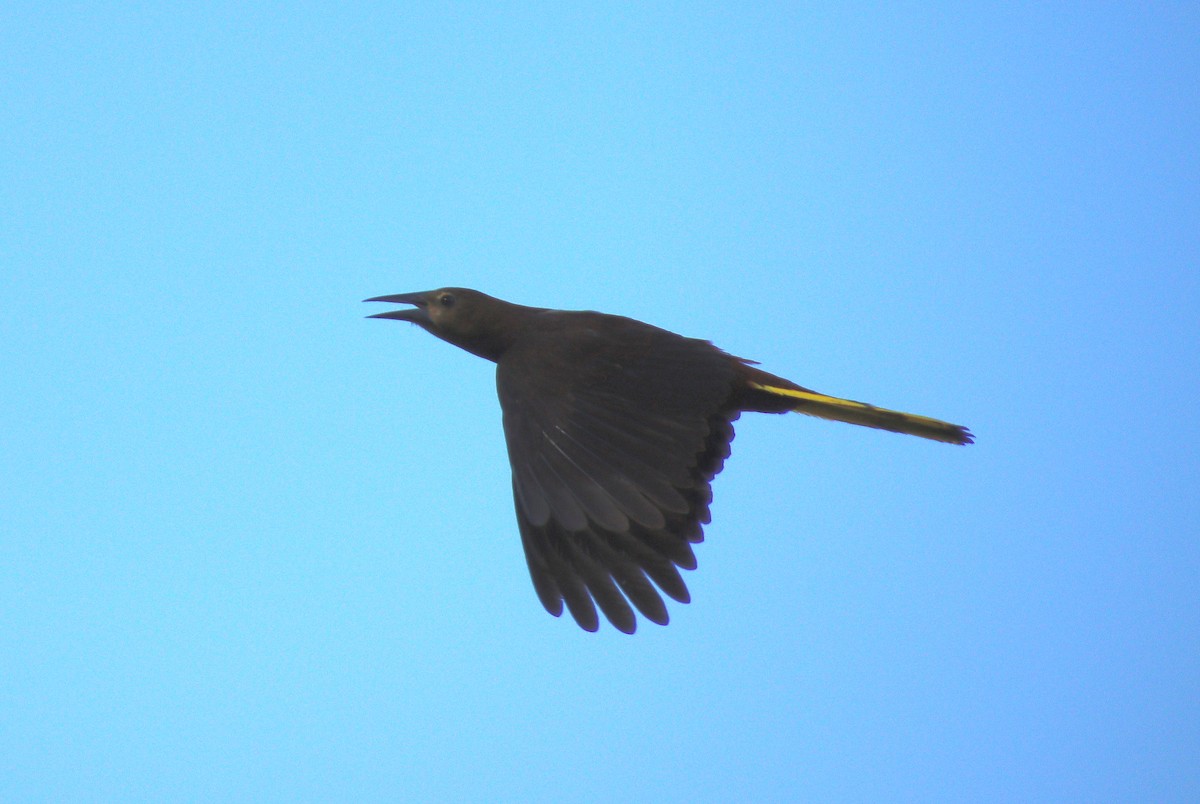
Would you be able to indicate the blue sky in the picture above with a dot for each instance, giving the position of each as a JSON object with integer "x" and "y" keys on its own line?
{"x": 255, "y": 547}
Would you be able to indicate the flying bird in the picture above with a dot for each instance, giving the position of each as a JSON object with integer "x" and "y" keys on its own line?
{"x": 615, "y": 430}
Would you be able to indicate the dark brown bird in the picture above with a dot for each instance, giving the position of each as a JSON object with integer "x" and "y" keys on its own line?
{"x": 615, "y": 430}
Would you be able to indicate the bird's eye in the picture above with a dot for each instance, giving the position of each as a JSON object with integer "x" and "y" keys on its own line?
{"x": 446, "y": 300}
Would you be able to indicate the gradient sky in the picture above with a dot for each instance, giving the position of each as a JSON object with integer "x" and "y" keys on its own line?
{"x": 254, "y": 547}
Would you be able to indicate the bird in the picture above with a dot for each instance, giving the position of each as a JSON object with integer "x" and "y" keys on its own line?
{"x": 615, "y": 430}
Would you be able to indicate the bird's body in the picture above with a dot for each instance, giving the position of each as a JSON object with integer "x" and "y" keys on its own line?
{"x": 615, "y": 430}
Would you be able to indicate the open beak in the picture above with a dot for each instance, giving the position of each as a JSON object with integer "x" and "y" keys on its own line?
{"x": 417, "y": 314}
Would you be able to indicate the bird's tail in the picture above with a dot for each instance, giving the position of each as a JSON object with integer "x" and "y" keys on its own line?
{"x": 847, "y": 410}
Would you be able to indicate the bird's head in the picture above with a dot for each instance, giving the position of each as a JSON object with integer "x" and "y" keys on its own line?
{"x": 471, "y": 320}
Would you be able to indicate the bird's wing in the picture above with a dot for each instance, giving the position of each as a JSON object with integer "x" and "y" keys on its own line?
{"x": 614, "y": 432}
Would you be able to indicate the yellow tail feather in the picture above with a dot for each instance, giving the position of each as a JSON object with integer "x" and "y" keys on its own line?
{"x": 851, "y": 412}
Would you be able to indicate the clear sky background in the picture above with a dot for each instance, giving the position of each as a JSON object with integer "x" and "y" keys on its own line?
{"x": 255, "y": 547}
